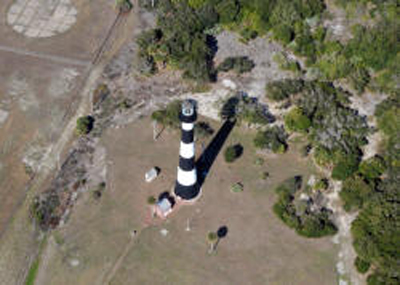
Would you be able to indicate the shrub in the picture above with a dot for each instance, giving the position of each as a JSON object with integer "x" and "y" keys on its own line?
{"x": 283, "y": 33}
{"x": 361, "y": 265}
{"x": 309, "y": 224}
{"x": 355, "y": 192}
{"x": 345, "y": 167}
{"x": 239, "y": 64}
{"x": 248, "y": 34}
{"x": 203, "y": 130}
{"x": 146, "y": 64}
{"x": 373, "y": 167}
{"x": 123, "y": 5}
{"x": 84, "y": 125}
{"x": 322, "y": 184}
{"x": 233, "y": 152}
{"x": 296, "y": 121}
{"x": 170, "y": 115}
{"x": 273, "y": 139}
{"x": 280, "y": 90}
{"x": 151, "y": 200}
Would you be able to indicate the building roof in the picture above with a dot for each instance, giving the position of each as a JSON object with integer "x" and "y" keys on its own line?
{"x": 151, "y": 174}
{"x": 164, "y": 205}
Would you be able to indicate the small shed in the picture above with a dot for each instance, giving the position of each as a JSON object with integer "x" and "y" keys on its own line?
{"x": 163, "y": 207}
{"x": 152, "y": 174}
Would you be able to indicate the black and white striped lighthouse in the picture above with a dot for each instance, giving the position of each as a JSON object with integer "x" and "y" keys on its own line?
{"x": 186, "y": 186}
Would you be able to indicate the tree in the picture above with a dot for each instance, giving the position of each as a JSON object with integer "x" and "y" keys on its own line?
{"x": 212, "y": 239}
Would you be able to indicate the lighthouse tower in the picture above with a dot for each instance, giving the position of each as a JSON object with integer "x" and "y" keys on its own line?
{"x": 186, "y": 187}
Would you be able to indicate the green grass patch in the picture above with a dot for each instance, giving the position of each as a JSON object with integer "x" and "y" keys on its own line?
{"x": 33, "y": 270}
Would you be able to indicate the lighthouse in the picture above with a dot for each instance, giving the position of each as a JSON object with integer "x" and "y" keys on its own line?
{"x": 186, "y": 187}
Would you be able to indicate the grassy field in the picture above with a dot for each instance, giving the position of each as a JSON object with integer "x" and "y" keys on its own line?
{"x": 258, "y": 248}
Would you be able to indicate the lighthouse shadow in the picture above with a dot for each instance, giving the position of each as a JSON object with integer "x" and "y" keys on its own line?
{"x": 207, "y": 158}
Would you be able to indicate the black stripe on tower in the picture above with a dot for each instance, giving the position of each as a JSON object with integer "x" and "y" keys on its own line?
{"x": 186, "y": 164}
{"x": 187, "y": 192}
{"x": 188, "y": 119}
{"x": 187, "y": 136}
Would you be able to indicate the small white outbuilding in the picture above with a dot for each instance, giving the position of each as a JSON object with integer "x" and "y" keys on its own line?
{"x": 151, "y": 174}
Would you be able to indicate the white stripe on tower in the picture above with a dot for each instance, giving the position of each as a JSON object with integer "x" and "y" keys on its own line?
{"x": 187, "y": 178}
{"x": 187, "y": 150}
{"x": 187, "y": 126}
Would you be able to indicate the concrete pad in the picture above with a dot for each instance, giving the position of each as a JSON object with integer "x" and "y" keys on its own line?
{"x": 37, "y": 15}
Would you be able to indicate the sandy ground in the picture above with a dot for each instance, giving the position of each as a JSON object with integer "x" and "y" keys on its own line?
{"x": 259, "y": 248}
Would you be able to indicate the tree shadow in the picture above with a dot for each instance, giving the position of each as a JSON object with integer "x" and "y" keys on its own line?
{"x": 222, "y": 232}
{"x": 238, "y": 150}
{"x": 207, "y": 158}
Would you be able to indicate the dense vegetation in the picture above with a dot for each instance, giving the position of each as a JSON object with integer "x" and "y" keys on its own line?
{"x": 337, "y": 134}
{"x": 180, "y": 41}
{"x": 336, "y": 131}
{"x": 307, "y": 221}
{"x": 377, "y": 227}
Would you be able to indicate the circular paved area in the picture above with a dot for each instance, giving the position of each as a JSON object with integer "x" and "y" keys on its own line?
{"x": 41, "y": 18}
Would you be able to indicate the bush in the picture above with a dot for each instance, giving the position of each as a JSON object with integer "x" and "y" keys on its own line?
{"x": 146, "y": 64}
{"x": 280, "y": 90}
{"x": 248, "y": 35}
{"x": 123, "y": 5}
{"x": 345, "y": 167}
{"x": 322, "y": 184}
{"x": 84, "y": 125}
{"x": 151, "y": 200}
{"x": 361, "y": 265}
{"x": 355, "y": 192}
{"x": 233, "y": 152}
{"x": 203, "y": 130}
{"x": 239, "y": 64}
{"x": 170, "y": 115}
{"x": 296, "y": 121}
{"x": 309, "y": 224}
{"x": 373, "y": 167}
{"x": 283, "y": 33}
{"x": 273, "y": 139}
